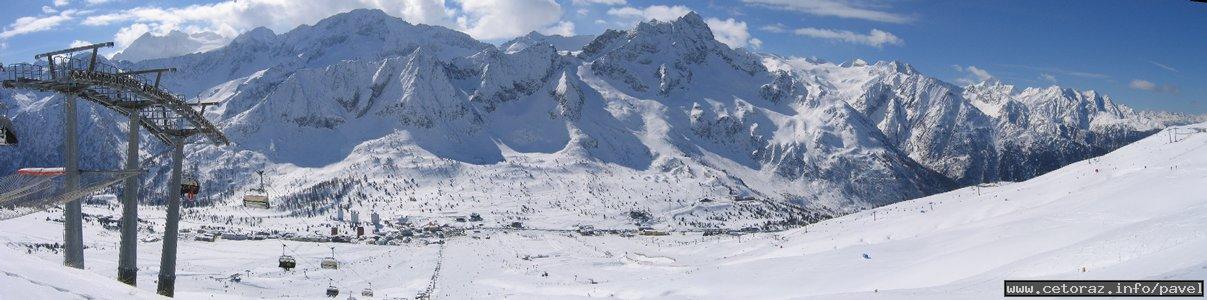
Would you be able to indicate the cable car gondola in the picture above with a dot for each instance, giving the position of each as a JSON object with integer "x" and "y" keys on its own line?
{"x": 332, "y": 291}
{"x": 367, "y": 292}
{"x": 257, "y": 197}
{"x": 330, "y": 262}
{"x": 286, "y": 262}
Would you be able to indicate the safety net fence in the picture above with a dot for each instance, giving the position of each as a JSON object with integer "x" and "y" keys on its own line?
{"x": 32, "y": 190}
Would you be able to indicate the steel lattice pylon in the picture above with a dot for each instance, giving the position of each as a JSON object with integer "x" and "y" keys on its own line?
{"x": 164, "y": 114}
{"x": 137, "y": 95}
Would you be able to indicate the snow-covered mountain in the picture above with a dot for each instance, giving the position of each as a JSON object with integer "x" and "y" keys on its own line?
{"x": 38, "y": 123}
{"x": 640, "y": 124}
{"x": 1042, "y": 129}
{"x": 355, "y": 35}
{"x": 559, "y": 42}
{"x": 983, "y": 132}
{"x": 920, "y": 115}
{"x": 175, "y": 43}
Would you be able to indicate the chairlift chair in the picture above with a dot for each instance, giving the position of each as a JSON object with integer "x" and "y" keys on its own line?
{"x": 7, "y": 136}
{"x": 286, "y": 261}
{"x": 257, "y": 197}
{"x": 189, "y": 186}
{"x": 255, "y": 200}
{"x": 332, "y": 291}
{"x": 367, "y": 292}
{"x": 330, "y": 262}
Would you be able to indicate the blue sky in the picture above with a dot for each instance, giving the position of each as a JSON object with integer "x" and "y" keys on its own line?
{"x": 1147, "y": 54}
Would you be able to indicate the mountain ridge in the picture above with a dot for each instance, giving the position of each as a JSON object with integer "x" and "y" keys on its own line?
{"x": 559, "y": 42}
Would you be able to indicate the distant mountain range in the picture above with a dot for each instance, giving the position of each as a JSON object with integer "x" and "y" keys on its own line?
{"x": 561, "y": 43}
{"x": 175, "y": 43}
{"x": 649, "y": 119}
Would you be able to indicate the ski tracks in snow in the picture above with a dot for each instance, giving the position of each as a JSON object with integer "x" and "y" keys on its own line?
{"x": 56, "y": 288}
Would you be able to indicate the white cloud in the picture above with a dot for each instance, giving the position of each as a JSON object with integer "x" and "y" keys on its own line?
{"x": 499, "y": 19}
{"x": 863, "y": 10}
{"x": 61, "y": 2}
{"x": 1059, "y": 71}
{"x": 25, "y": 25}
{"x": 731, "y": 32}
{"x": 652, "y": 12}
{"x": 431, "y": 12}
{"x": 128, "y": 34}
{"x": 1163, "y": 66}
{"x": 776, "y": 28}
{"x": 563, "y": 28}
{"x": 482, "y": 19}
{"x": 79, "y": 43}
{"x": 49, "y": 10}
{"x": 1146, "y": 85}
{"x": 980, "y": 74}
{"x": 973, "y": 73}
{"x": 1140, "y": 84}
{"x": 1048, "y": 77}
{"x": 605, "y": 2}
{"x": 231, "y": 17}
{"x": 875, "y": 38}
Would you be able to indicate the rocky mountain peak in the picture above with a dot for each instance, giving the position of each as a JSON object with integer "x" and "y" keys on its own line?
{"x": 559, "y": 42}
{"x": 688, "y": 28}
{"x": 663, "y": 58}
{"x": 896, "y": 66}
{"x": 256, "y": 35}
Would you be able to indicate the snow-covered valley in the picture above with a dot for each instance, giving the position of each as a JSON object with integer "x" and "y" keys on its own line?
{"x": 1133, "y": 213}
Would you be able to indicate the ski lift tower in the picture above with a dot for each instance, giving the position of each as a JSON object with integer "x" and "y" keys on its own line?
{"x": 137, "y": 95}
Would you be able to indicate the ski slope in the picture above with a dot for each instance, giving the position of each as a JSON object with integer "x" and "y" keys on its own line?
{"x": 27, "y": 277}
{"x": 1135, "y": 213}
